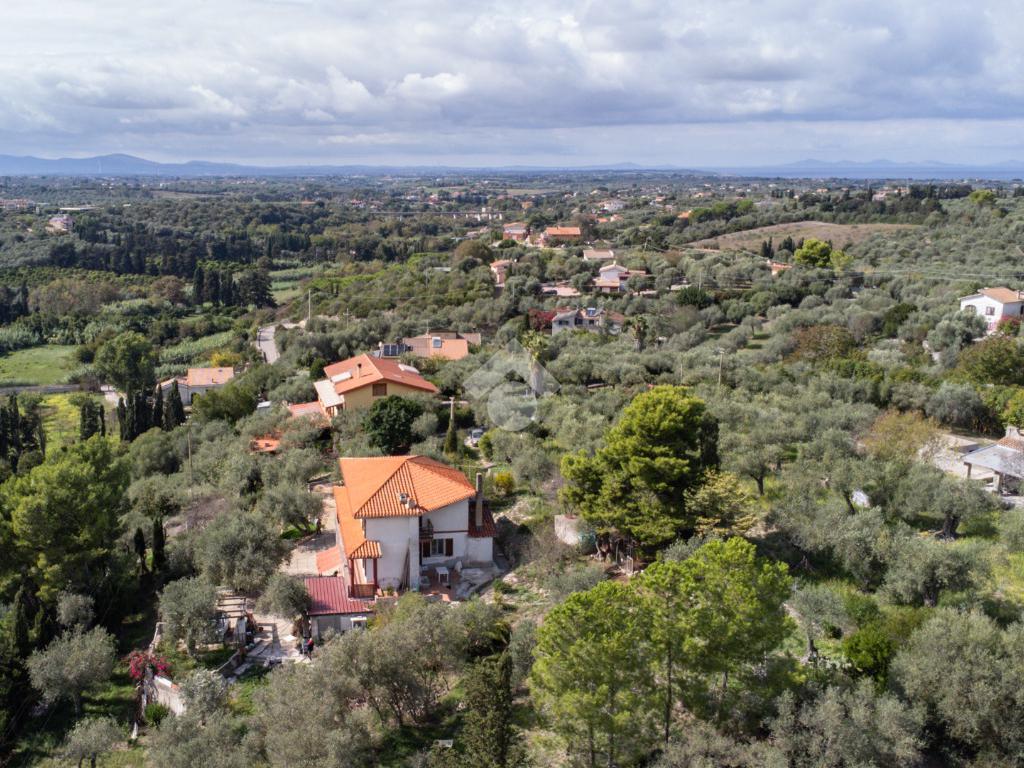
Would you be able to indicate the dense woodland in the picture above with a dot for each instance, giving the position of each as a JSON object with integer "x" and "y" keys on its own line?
{"x": 810, "y": 587}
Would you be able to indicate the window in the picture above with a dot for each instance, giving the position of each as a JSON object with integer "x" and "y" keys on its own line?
{"x": 437, "y": 548}
{"x": 358, "y": 622}
{"x": 436, "y": 342}
{"x": 379, "y": 390}
{"x": 990, "y": 310}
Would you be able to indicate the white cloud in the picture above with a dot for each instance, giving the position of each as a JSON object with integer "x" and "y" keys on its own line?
{"x": 248, "y": 79}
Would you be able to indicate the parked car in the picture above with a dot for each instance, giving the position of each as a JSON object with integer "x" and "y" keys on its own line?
{"x": 474, "y": 436}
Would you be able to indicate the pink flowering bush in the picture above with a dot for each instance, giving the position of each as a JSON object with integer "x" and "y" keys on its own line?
{"x": 140, "y": 661}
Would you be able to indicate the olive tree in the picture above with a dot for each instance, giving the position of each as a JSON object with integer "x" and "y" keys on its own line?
{"x": 71, "y": 665}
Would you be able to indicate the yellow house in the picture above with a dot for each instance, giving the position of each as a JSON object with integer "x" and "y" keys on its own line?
{"x": 359, "y": 381}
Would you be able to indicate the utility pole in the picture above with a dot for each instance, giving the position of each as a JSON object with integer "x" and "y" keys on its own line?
{"x": 191, "y": 491}
{"x": 309, "y": 306}
{"x": 721, "y": 361}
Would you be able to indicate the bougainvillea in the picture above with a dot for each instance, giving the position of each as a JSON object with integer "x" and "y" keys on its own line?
{"x": 140, "y": 661}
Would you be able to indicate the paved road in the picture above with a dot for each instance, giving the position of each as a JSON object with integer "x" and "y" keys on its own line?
{"x": 265, "y": 343}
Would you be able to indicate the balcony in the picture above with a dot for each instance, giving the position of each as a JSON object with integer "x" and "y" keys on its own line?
{"x": 364, "y": 591}
{"x": 426, "y": 530}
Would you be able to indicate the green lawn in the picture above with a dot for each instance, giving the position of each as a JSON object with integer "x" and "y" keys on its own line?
{"x": 61, "y": 417}
{"x": 38, "y": 365}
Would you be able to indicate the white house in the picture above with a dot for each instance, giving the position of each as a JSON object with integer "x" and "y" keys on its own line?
{"x": 994, "y": 304}
{"x": 406, "y": 519}
{"x": 198, "y": 381}
{"x": 593, "y": 319}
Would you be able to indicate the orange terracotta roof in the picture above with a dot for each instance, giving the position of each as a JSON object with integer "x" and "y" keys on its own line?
{"x": 562, "y": 232}
{"x": 209, "y": 377}
{"x": 1002, "y": 295}
{"x": 363, "y": 370}
{"x": 353, "y": 540}
{"x": 374, "y": 486}
{"x": 328, "y": 561}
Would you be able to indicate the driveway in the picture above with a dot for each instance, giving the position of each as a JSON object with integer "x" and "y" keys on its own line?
{"x": 303, "y": 557}
{"x": 265, "y": 343}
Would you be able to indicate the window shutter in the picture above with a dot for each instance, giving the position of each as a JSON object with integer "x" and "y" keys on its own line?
{"x": 424, "y": 549}
{"x": 448, "y": 547}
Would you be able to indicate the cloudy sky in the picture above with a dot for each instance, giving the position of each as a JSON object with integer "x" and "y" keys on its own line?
{"x": 472, "y": 82}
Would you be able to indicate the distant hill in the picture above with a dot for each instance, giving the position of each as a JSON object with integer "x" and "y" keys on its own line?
{"x": 129, "y": 165}
{"x": 880, "y": 169}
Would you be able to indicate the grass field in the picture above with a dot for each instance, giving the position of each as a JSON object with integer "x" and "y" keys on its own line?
{"x": 61, "y": 417}
{"x": 38, "y": 365}
{"x": 286, "y": 284}
{"x": 840, "y": 234}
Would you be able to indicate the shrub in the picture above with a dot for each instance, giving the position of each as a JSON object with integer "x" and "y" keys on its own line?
{"x": 504, "y": 483}
{"x": 155, "y": 712}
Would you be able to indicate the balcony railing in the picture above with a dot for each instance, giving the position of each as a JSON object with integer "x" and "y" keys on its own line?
{"x": 426, "y": 530}
{"x": 364, "y": 591}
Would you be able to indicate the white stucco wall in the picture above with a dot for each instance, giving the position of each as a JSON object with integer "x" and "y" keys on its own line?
{"x": 395, "y": 535}
{"x": 981, "y": 305}
{"x": 479, "y": 550}
{"x": 321, "y": 625}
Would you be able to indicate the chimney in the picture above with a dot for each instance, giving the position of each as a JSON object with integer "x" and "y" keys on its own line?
{"x": 359, "y": 370}
{"x": 479, "y": 500}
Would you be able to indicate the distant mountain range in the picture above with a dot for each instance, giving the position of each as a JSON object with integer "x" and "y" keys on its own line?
{"x": 880, "y": 169}
{"x": 129, "y": 165}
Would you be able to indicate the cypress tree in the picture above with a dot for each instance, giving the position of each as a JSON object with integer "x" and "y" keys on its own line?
{"x": 157, "y": 419}
{"x": 159, "y": 558}
{"x": 489, "y": 737}
{"x": 24, "y": 615}
{"x": 139, "y": 543}
{"x": 122, "y": 420}
{"x": 174, "y": 410}
{"x": 198, "y": 286}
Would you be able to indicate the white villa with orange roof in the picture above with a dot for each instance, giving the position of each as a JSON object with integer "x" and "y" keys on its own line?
{"x": 403, "y": 521}
{"x": 198, "y": 381}
{"x": 994, "y": 304}
{"x": 358, "y": 382}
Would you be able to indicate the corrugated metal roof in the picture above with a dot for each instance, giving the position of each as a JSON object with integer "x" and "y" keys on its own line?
{"x": 998, "y": 458}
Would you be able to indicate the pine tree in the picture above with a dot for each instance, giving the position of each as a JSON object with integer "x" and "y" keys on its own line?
{"x": 489, "y": 737}
{"x": 157, "y": 419}
{"x": 174, "y": 411}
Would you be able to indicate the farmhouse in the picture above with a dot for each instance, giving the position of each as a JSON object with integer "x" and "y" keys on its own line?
{"x": 592, "y": 319}
{"x": 405, "y": 521}
{"x": 560, "y": 235}
{"x": 613, "y": 278}
{"x": 448, "y": 345}
{"x": 515, "y": 230}
{"x": 361, "y": 380}
{"x": 1005, "y": 459}
{"x": 198, "y": 381}
{"x": 500, "y": 270}
{"x": 994, "y": 304}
